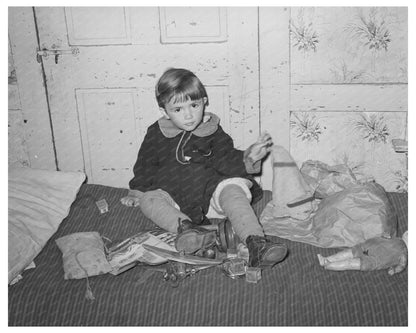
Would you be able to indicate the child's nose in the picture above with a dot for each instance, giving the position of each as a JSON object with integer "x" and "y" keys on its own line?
{"x": 188, "y": 113}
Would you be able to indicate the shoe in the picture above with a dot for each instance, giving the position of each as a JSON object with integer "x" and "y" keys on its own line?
{"x": 192, "y": 239}
{"x": 227, "y": 238}
{"x": 264, "y": 253}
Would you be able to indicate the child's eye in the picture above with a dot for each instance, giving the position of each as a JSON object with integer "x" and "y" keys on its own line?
{"x": 195, "y": 105}
{"x": 176, "y": 109}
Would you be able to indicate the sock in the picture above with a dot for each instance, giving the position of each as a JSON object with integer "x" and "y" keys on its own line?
{"x": 237, "y": 208}
{"x": 159, "y": 207}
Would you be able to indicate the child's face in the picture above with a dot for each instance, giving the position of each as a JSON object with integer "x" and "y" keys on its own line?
{"x": 185, "y": 115}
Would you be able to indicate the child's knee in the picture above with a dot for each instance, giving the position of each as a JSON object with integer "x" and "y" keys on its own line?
{"x": 234, "y": 187}
{"x": 150, "y": 198}
{"x": 231, "y": 189}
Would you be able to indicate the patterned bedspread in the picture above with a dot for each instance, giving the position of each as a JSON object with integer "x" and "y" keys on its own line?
{"x": 297, "y": 292}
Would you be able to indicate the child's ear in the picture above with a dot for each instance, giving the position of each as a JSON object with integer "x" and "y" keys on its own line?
{"x": 205, "y": 99}
{"x": 164, "y": 113}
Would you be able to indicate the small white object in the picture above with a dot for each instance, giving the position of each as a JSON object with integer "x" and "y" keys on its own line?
{"x": 253, "y": 274}
{"x": 405, "y": 237}
{"x": 102, "y": 206}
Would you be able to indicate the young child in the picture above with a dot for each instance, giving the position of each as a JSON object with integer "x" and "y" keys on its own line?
{"x": 373, "y": 254}
{"x": 187, "y": 170}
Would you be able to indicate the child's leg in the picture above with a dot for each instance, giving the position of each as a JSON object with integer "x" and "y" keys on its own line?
{"x": 236, "y": 206}
{"x": 262, "y": 253}
{"x": 344, "y": 265}
{"x": 160, "y": 208}
{"x": 235, "y": 203}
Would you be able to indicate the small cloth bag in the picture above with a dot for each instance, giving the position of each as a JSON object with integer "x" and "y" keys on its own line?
{"x": 83, "y": 255}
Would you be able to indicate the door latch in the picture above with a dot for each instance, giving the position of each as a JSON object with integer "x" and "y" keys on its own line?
{"x": 55, "y": 53}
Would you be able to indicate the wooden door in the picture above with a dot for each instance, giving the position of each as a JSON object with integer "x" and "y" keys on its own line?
{"x": 102, "y": 63}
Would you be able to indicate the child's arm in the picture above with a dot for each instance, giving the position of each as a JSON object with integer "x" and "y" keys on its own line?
{"x": 230, "y": 161}
{"x": 225, "y": 158}
{"x": 144, "y": 171}
{"x": 146, "y": 164}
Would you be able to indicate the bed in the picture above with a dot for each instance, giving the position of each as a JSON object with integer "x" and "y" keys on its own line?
{"x": 297, "y": 292}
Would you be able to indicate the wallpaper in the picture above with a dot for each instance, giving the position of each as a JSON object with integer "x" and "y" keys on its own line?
{"x": 338, "y": 48}
{"x": 349, "y": 45}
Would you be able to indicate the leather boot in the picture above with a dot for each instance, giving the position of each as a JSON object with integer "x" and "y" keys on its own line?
{"x": 264, "y": 253}
{"x": 227, "y": 238}
{"x": 193, "y": 239}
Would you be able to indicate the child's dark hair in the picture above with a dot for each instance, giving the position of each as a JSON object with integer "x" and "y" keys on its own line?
{"x": 180, "y": 84}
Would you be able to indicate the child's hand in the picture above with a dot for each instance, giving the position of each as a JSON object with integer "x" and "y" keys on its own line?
{"x": 261, "y": 147}
{"x": 132, "y": 199}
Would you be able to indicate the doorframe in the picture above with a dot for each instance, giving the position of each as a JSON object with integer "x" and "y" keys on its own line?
{"x": 274, "y": 80}
{"x": 33, "y": 95}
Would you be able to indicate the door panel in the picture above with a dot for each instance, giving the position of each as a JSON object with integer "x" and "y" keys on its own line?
{"x": 120, "y": 106}
{"x": 113, "y": 114}
{"x": 102, "y": 97}
{"x": 180, "y": 25}
{"x": 98, "y": 26}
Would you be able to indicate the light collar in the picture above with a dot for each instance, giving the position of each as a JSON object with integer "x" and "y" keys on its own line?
{"x": 208, "y": 126}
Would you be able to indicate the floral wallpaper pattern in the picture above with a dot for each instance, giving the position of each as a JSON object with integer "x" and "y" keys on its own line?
{"x": 348, "y": 44}
{"x": 344, "y": 46}
{"x": 361, "y": 140}
{"x": 306, "y": 127}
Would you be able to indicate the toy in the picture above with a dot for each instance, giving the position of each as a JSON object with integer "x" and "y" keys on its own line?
{"x": 253, "y": 274}
{"x": 180, "y": 257}
{"x": 102, "y": 206}
{"x": 234, "y": 268}
{"x": 130, "y": 252}
{"x": 173, "y": 271}
{"x": 233, "y": 262}
{"x": 373, "y": 254}
{"x": 180, "y": 265}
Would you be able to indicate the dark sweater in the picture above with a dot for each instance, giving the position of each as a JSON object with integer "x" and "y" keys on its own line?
{"x": 163, "y": 163}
